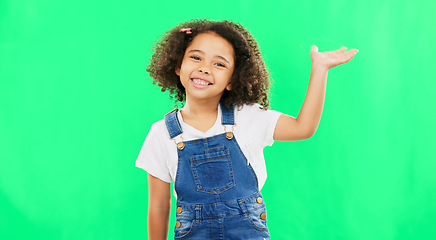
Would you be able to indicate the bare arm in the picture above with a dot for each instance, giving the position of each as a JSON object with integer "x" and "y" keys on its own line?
{"x": 304, "y": 126}
{"x": 159, "y": 202}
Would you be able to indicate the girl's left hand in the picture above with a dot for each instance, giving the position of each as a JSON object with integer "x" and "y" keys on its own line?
{"x": 332, "y": 58}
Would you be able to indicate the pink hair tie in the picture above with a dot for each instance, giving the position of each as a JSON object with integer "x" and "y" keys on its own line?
{"x": 186, "y": 30}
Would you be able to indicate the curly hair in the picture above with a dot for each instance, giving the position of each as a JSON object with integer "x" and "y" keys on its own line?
{"x": 250, "y": 79}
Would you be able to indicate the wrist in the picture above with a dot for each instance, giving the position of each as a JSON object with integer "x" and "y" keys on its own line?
{"x": 319, "y": 68}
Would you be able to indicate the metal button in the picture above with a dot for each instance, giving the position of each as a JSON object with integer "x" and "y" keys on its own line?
{"x": 229, "y": 135}
{"x": 178, "y": 225}
{"x": 263, "y": 216}
{"x": 179, "y": 210}
{"x": 259, "y": 200}
{"x": 180, "y": 145}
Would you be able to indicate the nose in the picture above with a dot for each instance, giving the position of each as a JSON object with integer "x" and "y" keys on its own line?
{"x": 204, "y": 70}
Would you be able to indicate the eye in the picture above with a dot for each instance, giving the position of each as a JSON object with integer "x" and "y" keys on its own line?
{"x": 220, "y": 65}
{"x": 195, "y": 58}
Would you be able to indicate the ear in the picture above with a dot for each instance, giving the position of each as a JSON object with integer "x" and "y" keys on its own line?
{"x": 229, "y": 86}
{"x": 177, "y": 71}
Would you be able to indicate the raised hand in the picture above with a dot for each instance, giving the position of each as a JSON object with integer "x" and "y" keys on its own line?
{"x": 331, "y": 59}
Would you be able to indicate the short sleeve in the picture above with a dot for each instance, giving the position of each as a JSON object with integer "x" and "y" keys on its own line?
{"x": 153, "y": 157}
{"x": 263, "y": 122}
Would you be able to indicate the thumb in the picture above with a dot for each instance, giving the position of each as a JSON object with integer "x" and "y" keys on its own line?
{"x": 314, "y": 49}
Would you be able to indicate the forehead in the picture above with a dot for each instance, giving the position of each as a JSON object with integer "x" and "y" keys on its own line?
{"x": 212, "y": 44}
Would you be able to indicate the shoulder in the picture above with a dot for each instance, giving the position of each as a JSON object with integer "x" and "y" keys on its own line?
{"x": 248, "y": 108}
{"x": 157, "y": 143}
{"x": 254, "y": 110}
{"x": 257, "y": 124}
{"x": 158, "y": 131}
{"x": 159, "y": 125}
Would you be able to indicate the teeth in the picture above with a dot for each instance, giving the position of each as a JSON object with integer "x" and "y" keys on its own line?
{"x": 200, "y": 82}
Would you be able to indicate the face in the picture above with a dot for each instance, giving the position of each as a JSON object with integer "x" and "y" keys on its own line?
{"x": 207, "y": 67}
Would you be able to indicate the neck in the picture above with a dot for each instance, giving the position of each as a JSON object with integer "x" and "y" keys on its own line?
{"x": 200, "y": 107}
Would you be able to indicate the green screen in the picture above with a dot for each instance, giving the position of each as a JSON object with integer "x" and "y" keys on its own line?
{"x": 76, "y": 104}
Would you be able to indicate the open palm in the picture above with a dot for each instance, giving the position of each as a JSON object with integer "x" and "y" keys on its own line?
{"x": 331, "y": 59}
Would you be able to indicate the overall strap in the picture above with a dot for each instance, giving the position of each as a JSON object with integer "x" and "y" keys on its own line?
{"x": 175, "y": 129}
{"x": 173, "y": 125}
{"x": 227, "y": 117}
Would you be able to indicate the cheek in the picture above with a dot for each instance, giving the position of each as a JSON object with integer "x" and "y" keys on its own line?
{"x": 227, "y": 77}
{"x": 185, "y": 67}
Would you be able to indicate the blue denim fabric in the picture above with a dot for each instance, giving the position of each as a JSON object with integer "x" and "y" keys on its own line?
{"x": 217, "y": 190}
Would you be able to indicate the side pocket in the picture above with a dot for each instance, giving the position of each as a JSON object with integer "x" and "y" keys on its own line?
{"x": 184, "y": 227}
{"x": 257, "y": 218}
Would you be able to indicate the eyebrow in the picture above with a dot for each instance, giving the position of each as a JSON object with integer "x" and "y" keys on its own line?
{"x": 218, "y": 56}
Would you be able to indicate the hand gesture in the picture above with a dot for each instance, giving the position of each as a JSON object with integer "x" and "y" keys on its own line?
{"x": 332, "y": 58}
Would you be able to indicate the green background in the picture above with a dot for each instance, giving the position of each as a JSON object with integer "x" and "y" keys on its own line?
{"x": 76, "y": 106}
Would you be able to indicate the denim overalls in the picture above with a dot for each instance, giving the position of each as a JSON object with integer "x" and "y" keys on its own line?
{"x": 218, "y": 195}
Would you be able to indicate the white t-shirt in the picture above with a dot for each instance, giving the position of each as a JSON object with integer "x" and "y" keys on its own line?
{"x": 253, "y": 130}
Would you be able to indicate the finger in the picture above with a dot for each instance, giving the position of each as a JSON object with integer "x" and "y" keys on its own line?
{"x": 314, "y": 48}
{"x": 342, "y": 49}
{"x": 349, "y": 55}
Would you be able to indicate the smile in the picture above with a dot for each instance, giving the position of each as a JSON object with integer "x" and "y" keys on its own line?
{"x": 200, "y": 82}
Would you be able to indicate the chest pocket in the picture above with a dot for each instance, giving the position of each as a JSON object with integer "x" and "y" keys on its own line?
{"x": 213, "y": 172}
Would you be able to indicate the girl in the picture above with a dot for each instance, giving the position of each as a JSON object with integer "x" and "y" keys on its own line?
{"x": 212, "y": 148}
